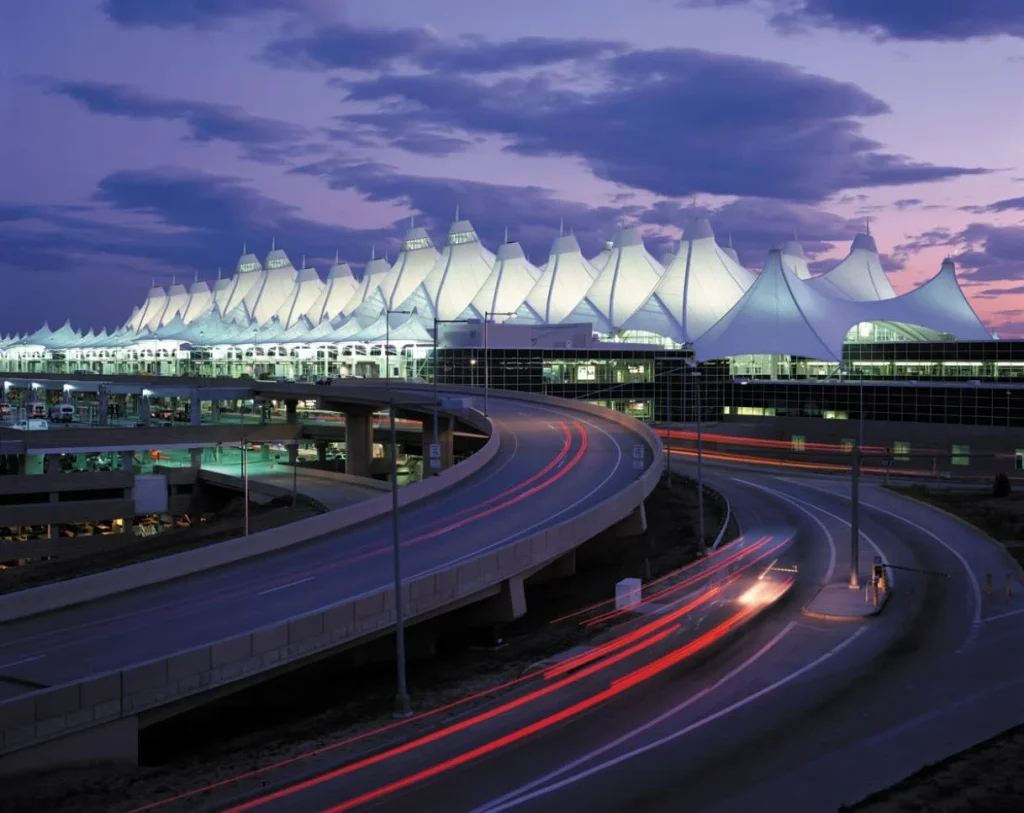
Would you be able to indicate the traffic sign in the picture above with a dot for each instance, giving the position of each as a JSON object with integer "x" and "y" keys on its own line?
{"x": 435, "y": 463}
{"x": 638, "y": 451}
{"x": 435, "y": 451}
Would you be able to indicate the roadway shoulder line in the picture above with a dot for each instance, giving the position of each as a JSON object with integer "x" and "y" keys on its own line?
{"x": 515, "y": 799}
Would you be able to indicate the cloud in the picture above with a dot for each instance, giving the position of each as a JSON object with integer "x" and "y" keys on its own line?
{"x": 1008, "y": 205}
{"x": 907, "y": 203}
{"x": 674, "y": 122}
{"x": 991, "y": 253}
{"x": 201, "y": 14}
{"x": 346, "y": 46}
{"x": 930, "y": 20}
{"x": 992, "y": 293}
{"x": 260, "y": 139}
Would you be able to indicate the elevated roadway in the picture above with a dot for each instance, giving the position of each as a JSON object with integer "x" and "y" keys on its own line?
{"x": 795, "y": 714}
{"x": 561, "y": 474}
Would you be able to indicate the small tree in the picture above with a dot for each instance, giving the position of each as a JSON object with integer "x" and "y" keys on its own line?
{"x": 1001, "y": 486}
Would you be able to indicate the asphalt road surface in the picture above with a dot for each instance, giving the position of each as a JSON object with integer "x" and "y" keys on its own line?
{"x": 552, "y": 463}
{"x": 790, "y": 714}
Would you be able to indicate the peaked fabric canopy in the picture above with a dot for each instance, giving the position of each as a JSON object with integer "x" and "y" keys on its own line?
{"x": 340, "y": 288}
{"x": 506, "y": 287}
{"x": 793, "y": 258}
{"x": 200, "y": 300}
{"x": 457, "y": 275}
{"x": 564, "y": 281}
{"x": 859, "y": 277}
{"x": 306, "y": 290}
{"x": 697, "y": 289}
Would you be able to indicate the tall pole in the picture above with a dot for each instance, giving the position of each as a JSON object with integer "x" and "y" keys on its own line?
{"x": 437, "y": 396}
{"x": 487, "y": 375}
{"x": 245, "y": 484}
{"x": 700, "y": 467}
{"x": 295, "y": 477}
{"x": 668, "y": 421}
{"x": 402, "y": 708}
{"x": 855, "y": 496}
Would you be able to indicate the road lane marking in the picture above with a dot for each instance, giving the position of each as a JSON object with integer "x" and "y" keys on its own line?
{"x": 795, "y": 503}
{"x": 285, "y": 586}
{"x": 1001, "y": 616}
{"x": 22, "y": 661}
{"x": 515, "y": 799}
{"x": 971, "y": 576}
{"x": 489, "y": 806}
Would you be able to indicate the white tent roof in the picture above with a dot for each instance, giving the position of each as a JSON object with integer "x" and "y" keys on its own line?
{"x": 304, "y": 293}
{"x": 780, "y": 314}
{"x": 601, "y": 259}
{"x": 200, "y": 300}
{"x": 341, "y": 286}
{"x": 794, "y": 259}
{"x": 152, "y": 309}
{"x": 457, "y": 275}
{"x": 939, "y": 304}
{"x": 373, "y": 273}
{"x": 858, "y": 277}
{"x": 222, "y": 289}
{"x": 697, "y": 289}
{"x": 416, "y": 259}
{"x": 564, "y": 281}
{"x": 506, "y": 287}
{"x": 266, "y": 297}
{"x": 177, "y": 301}
{"x": 629, "y": 276}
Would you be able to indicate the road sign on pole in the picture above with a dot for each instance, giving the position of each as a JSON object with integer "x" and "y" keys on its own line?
{"x": 435, "y": 455}
{"x": 638, "y": 456}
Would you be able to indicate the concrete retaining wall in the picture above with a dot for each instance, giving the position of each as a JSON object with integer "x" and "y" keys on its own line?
{"x": 339, "y": 477}
{"x": 47, "y": 598}
{"x": 55, "y": 712}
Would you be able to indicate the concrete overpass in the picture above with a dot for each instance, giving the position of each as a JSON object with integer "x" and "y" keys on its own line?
{"x": 87, "y": 663}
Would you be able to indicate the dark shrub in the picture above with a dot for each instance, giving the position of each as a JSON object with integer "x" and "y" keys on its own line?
{"x": 1001, "y": 486}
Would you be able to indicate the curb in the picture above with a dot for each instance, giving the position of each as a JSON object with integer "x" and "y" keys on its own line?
{"x": 1017, "y": 566}
{"x": 875, "y": 611}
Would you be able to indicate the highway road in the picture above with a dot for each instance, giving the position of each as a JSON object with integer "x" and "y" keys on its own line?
{"x": 794, "y": 714}
{"x": 551, "y": 464}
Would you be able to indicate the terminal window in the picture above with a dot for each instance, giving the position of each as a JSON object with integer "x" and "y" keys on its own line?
{"x": 901, "y": 450}
{"x": 961, "y": 455}
{"x": 799, "y": 443}
{"x": 1018, "y": 459}
{"x": 847, "y": 445}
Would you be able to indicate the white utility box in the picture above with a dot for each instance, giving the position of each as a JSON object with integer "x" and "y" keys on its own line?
{"x": 628, "y": 593}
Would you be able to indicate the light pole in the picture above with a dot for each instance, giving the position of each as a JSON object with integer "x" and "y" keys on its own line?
{"x": 855, "y": 494}
{"x": 487, "y": 361}
{"x": 402, "y": 708}
{"x": 245, "y": 484}
{"x": 700, "y": 466}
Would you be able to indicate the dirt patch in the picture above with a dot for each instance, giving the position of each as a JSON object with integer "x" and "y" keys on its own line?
{"x": 986, "y": 777}
{"x": 128, "y": 549}
{"x": 1002, "y": 518}
{"x": 331, "y": 701}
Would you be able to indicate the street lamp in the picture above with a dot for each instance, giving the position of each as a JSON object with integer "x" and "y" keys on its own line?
{"x": 700, "y": 460}
{"x": 487, "y": 362}
{"x": 855, "y": 494}
{"x": 244, "y": 447}
{"x": 402, "y": 708}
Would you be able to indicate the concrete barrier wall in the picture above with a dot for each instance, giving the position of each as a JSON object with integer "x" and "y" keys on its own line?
{"x": 51, "y": 597}
{"x": 234, "y": 483}
{"x": 339, "y": 477}
{"x": 50, "y": 713}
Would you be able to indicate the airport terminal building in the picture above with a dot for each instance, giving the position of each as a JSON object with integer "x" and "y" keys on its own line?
{"x": 656, "y": 339}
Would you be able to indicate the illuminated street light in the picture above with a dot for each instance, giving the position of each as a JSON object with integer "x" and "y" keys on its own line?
{"x": 487, "y": 363}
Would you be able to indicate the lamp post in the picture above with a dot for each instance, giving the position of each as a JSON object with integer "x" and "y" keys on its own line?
{"x": 855, "y": 494}
{"x": 700, "y": 467}
{"x": 402, "y": 708}
{"x": 487, "y": 361}
{"x": 245, "y": 484}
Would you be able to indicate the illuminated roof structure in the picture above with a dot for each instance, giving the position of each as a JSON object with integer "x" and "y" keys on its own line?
{"x": 698, "y": 288}
{"x": 248, "y": 273}
{"x": 629, "y": 276}
{"x": 456, "y": 277}
{"x": 601, "y": 259}
{"x": 564, "y": 280}
{"x": 506, "y": 287}
{"x": 338, "y": 291}
{"x": 858, "y": 277}
{"x": 793, "y": 258}
{"x": 306, "y": 290}
{"x": 274, "y": 283}
{"x": 200, "y": 300}
{"x": 177, "y": 301}
{"x": 374, "y": 272}
{"x": 416, "y": 259}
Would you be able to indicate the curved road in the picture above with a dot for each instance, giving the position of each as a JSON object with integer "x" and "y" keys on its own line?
{"x": 552, "y": 462}
{"x": 796, "y": 714}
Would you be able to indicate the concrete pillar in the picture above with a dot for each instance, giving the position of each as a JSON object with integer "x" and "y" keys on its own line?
{"x": 264, "y": 451}
{"x": 445, "y": 439}
{"x": 126, "y": 461}
{"x": 196, "y": 409}
{"x": 53, "y": 530}
{"x": 633, "y": 525}
{"x": 51, "y": 464}
{"x": 291, "y": 408}
{"x": 103, "y": 418}
{"x": 503, "y": 608}
{"x": 358, "y": 440}
{"x": 321, "y": 452}
{"x": 196, "y": 458}
{"x": 144, "y": 410}
{"x": 215, "y": 410}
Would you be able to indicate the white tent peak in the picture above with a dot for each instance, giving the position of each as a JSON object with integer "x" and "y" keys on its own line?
{"x": 859, "y": 276}
{"x": 793, "y": 258}
{"x": 793, "y": 249}
{"x": 461, "y": 231}
{"x": 697, "y": 229}
{"x": 508, "y": 251}
{"x": 564, "y": 281}
{"x": 247, "y": 263}
{"x": 627, "y": 237}
{"x": 565, "y": 244}
{"x": 416, "y": 239}
{"x": 276, "y": 259}
{"x": 863, "y": 241}
{"x": 506, "y": 287}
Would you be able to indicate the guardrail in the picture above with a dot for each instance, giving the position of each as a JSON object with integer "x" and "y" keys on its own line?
{"x": 47, "y": 714}
{"x": 47, "y": 598}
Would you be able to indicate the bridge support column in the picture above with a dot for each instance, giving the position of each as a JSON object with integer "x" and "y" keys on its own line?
{"x": 51, "y": 464}
{"x": 215, "y": 411}
{"x": 144, "y": 410}
{"x": 445, "y": 439}
{"x": 196, "y": 458}
{"x": 503, "y": 608}
{"x": 633, "y": 525}
{"x": 103, "y": 406}
{"x": 126, "y": 461}
{"x": 358, "y": 440}
{"x": 195, "y": 407}
{"x": 321, "y": 452}
{"x": 291, "y": 411}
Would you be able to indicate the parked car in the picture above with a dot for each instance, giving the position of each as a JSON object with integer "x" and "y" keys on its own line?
{"x": 31, "y": 425}
{"x": 62, "y": 413}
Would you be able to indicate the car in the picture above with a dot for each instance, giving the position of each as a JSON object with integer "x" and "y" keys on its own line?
{"x": 31, "y": 425}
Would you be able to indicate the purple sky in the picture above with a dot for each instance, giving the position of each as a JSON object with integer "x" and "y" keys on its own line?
{"x": 150, "y": 138}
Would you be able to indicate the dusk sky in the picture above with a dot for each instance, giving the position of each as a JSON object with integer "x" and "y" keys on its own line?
{"x": 148, "y": 138}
